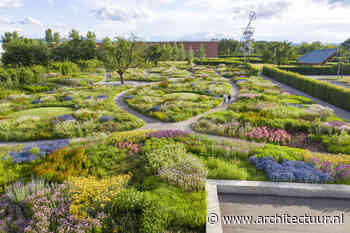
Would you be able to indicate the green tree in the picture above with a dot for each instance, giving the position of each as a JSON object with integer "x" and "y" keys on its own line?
{"x": 201, "y": 52}
{"x": 48, "y": 36}
{"x": 123, "y": 54}
{"x": 154, "y": 53}
{"x": 175, "y": 53}
{"x": 57, "y": 38}
{"x": 190, "y": 55}
{"x": 182, "y": 52}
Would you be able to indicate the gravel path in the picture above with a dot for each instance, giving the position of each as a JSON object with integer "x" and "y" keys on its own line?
{"x": 330, "y": 79}
{"x": 338, "y": 111}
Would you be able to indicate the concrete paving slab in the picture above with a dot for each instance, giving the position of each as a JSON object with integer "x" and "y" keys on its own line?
{"x": 260, "y": 205}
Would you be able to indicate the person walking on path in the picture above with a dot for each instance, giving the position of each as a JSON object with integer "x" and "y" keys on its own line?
{"x": 229, "y": 99}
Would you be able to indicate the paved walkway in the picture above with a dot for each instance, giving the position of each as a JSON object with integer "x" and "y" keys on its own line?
{"x": 155, "y": 124}
{"x": 253, "y": 205}
{"x": 338, "y": 111}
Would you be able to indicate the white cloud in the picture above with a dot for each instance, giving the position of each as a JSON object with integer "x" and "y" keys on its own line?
{"x": 30, "y": 20}
{"x": 121, "y": 14}
{"x": 10, "y": 3}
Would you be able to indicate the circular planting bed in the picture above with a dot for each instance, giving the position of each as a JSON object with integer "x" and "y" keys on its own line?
{"x": 68, "y": 113}
{"x": 47, "y": 112}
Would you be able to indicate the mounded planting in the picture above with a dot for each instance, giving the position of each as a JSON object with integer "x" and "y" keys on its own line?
{"x": 67, "y": 113}
{"x": 182, "y": 99}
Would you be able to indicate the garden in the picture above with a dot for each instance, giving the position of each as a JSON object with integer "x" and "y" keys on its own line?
{"x": 101, "y": 173}
{"x": 178, "y": 100}
{"x": 65, "y": 113}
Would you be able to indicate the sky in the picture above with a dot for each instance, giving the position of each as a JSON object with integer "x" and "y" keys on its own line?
{"x": 169, "y": 20}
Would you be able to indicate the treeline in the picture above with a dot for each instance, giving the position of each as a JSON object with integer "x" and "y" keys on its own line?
{"x": 21, "y": 51}
{"x": 286, "y": 52}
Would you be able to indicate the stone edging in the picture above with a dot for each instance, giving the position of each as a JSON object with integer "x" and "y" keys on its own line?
{"x": 214, "y": 187}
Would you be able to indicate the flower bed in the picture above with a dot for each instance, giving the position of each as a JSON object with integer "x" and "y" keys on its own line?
{"x": 64, "y": 114}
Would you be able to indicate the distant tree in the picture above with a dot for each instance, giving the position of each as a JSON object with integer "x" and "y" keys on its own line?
{"x": 74, "y": 35}
{"x": 228, "y": 47}
{"x": 57, "y": 38}
{"x": 190, "y": 55}
{"x": 175, "y": 52}
{"x": 121, "y": 55}
{"x": 8, "y": 37}
{"x": 182, "y": 52}
{"x": 25, "y": 52}
{"x": 107, "y": 42}
{"x": 346, "y": 44}
{"x": 167, "y": 52}
{"x": 201, "y": 52}
{"x": 48, "y": 36}
{"x": 154, "y": 53}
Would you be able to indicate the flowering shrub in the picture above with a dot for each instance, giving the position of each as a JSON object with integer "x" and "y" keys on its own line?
{"x": 269, "y": 135}
{"x": 91, "y": 193}
{"x": 12, "y": 216}
{"x": 19, "y": 192}
{"x": 131, "y": 136}
{"x": 51, "y": 213}
{"x": 63, "y": 163}
{"x": 129, "y": 146}
{"x": 167, "y": 133}
{"x": 188, "y": 174}
{"x": 291, "y": 171}
{"x": 340, "y": 172}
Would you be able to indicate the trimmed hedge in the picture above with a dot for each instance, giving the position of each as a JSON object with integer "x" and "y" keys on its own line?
{"x": 216, "y": 61}
{"x": 333, "y": 94}
{"x": 317, "y": 70}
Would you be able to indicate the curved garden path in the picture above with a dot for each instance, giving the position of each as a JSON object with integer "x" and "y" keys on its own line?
{"x": 155, "y": 124}
{"x": 338, "y": 111}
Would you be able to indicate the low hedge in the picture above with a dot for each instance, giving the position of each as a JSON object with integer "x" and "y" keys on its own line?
{"x": 216, "y": 61}
{"x": 333, "y": 94}
{"x": 317, "y": 70}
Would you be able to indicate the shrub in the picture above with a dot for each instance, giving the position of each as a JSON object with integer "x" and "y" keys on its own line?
{"x": 291, "y": 171}
{"x": 20, "y": 192}
{"x": 337, "y": 143}
{"x": 133, "y": 212}
{"x": 131, "y": 136}
{"x": 328, "y": 92}
{"x": 91, "y": 194}
{"x": 279, "y": 153}
{"x": 269, "y": 135}
{"x": 167, "y": 133}
{"x": 166, "y": 156}
{"x": 188, "y": 174}
{"x": 63, "y": 68}
{"x": 51, "y": 213}
{"x": 164, "y": 84}
{"x": 63, "y": 163}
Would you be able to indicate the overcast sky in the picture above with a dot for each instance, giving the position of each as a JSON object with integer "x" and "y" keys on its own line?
{"x": 293, "y": 20}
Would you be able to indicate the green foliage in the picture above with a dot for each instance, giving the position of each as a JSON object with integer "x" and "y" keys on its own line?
{"x": 181, "y": 211}
{"x": 64, "y": 68}
{"x": 24, "y": 52}
{"x": 35, "y": 151}
{"x": 281, "y": 152}
{"x": 235, "y": 169}
{"x": 167, "y": 155}
{"x": 330, "y": 93}
{"x": 104, "y": 159}
{"x": 65, "y": 162}
{"x": 132, "y": 212}
{"x": 337, "y": 143}
{"x": 317, "y": 70}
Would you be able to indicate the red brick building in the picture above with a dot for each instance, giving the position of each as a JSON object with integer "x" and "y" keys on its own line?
{"x": 211, "y": 47}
